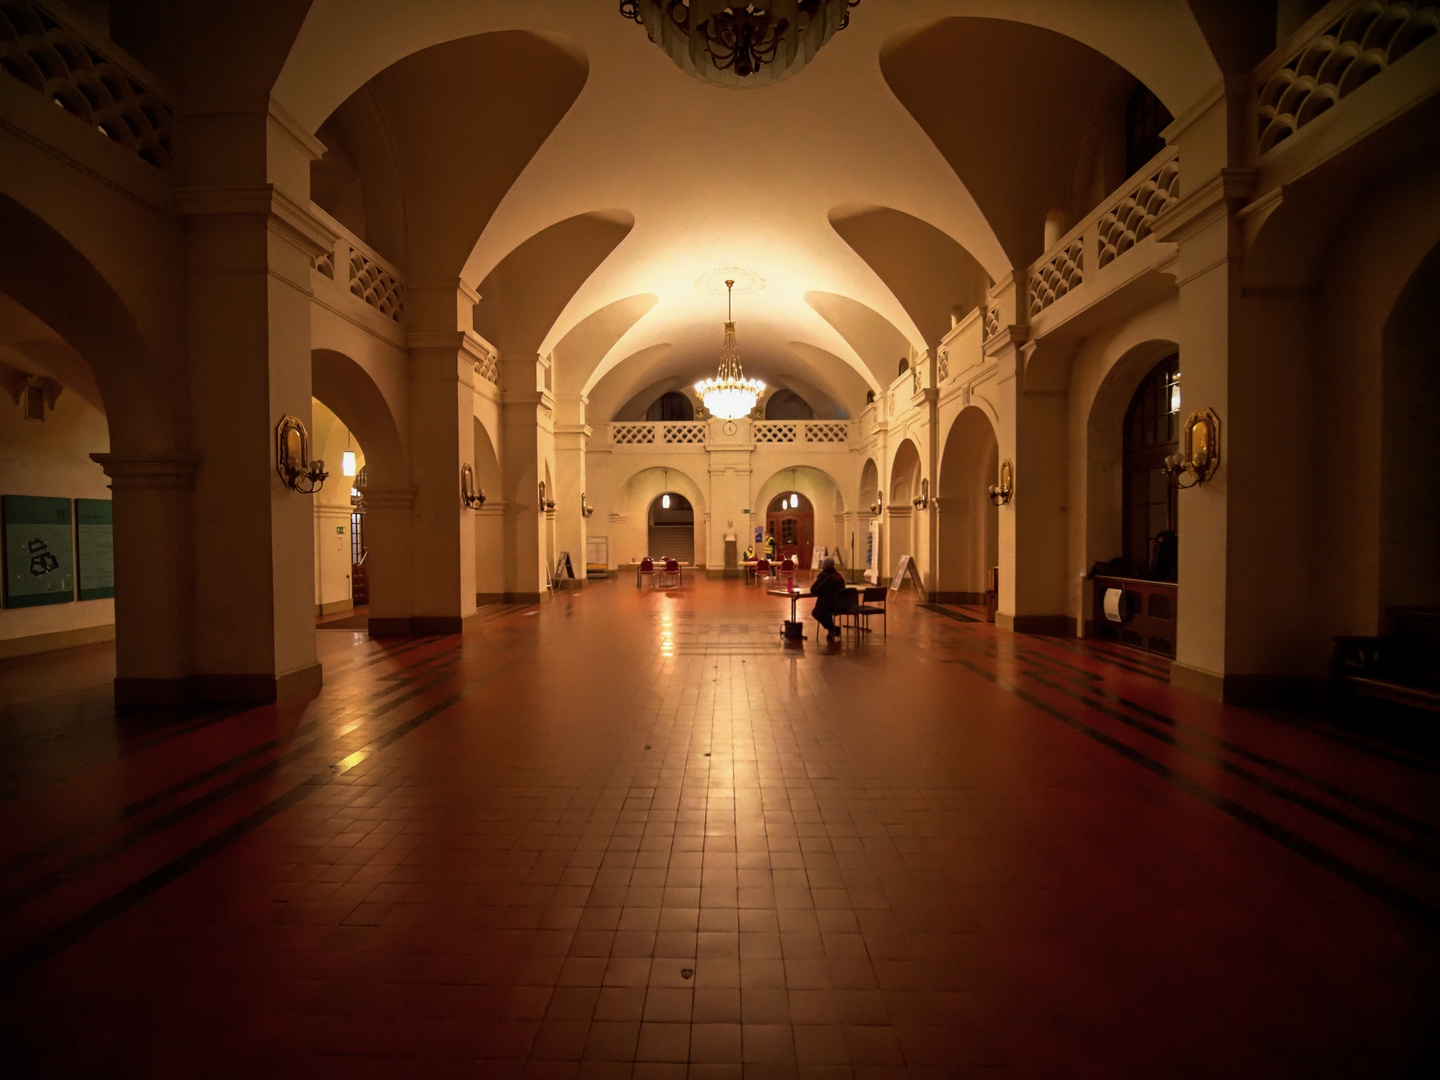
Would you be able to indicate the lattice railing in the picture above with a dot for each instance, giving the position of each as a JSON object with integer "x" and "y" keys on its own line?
{"x": 632, "y": 434}
{"x": 686, "y": 433}
{"x": 489, "y": 369}
{"x": 325, "y": 263}
{"x": 943, "y": 368}
{"x": 826, "y": 431}
{"x": 991, "y": 326}
{"x": 1343, "y": 52}
{"x": 774, "y": 431}
{"x": 1056, "y": 276}
{"x": 376, "y": 285}
{"x": 1113, "y": 228}
{"x": 1130, "y": 220}
{"x": 61, "y": 65}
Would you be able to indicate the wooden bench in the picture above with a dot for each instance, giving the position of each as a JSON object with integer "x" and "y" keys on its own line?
{"x": 1403, "y": 669}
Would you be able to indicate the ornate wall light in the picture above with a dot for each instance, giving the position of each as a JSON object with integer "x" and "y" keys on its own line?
{"x": 472, "y": 496}
{"x": 922, "y": 500}
{"x": 879, "y": 504}
{"x": 292, "y": 457}
{"x": 1200, "y": 454}
{"x": 585, "y": 508}
{"x": 1000, "y": 493}
{"x": 546, "y": 505}
{"x": 730, "y": 44}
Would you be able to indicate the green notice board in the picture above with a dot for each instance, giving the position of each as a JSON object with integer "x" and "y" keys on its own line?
{"x": 39, "y": 555}
{"x": 94, "y": 549}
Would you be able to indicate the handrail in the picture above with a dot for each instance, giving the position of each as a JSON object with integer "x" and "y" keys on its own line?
{"x": 369, "y": 276}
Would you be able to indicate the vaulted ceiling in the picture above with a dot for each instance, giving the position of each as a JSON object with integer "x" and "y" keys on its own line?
{"x": 562, "y": 166}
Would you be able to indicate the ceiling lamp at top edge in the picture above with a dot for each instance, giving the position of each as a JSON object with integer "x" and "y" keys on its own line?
{"x": 726, "y": 44}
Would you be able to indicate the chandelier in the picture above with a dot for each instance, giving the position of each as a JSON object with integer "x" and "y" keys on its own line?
{"x": 730, "y": 395}
{"x": 726, "y": 44}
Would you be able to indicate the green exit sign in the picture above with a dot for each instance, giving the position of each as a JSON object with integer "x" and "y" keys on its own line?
{"x": 340, "y": 530}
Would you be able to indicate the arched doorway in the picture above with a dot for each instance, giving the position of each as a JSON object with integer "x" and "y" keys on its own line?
{"x": 904, "y": 479}
{"x": 670, "y": 522}
{"x": 340, "y": 552}
{"x": 969, "y": 521}
{"x": 1151, "y": 509}
{"x": 790, "y": 518}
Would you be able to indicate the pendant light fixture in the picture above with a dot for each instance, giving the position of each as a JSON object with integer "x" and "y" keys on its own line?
{"x": 665, "y": 498}
{"x": 740, "y": 45}
{"x": 730, "y": 395}
{"x": 347, "y": 459}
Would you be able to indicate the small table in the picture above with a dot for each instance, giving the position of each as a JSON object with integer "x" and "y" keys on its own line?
{"x": 795, "y": 598}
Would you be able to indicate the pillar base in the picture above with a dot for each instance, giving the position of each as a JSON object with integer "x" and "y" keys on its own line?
{"x": 417, "y": 626}
{"x": 1302, "y": 691}
{"x": 302, "y": 684}
{"x": 483, "y": 598}
{"x": 1051, "y": 625}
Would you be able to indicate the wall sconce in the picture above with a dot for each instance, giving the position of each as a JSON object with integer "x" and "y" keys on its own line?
{"x": 878, "y": 504}
{"x": 1000, "y": 493}
{"x": 585, "y": 508}
{"x": 1200, "y": 456}
{"x": 546, "y": 505}
{"x": 470, "y": 495}
{"x": 922, "y": 500}
{"x": 292, "y": 458}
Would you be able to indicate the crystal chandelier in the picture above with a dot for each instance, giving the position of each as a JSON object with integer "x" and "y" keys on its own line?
{"x": 730, "y": 395}
{"x": 724, "y": 43}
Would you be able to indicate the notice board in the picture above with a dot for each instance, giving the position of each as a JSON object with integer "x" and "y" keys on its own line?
{"x": 94, "y": 549}
{"x": 39, "y": 554}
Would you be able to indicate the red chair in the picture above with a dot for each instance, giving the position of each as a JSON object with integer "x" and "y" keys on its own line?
{"x": 787, "y": 568}
{"x": 671, "y": 575}
{"x": 762, "y": 570}
{"x": 647, "y": 566}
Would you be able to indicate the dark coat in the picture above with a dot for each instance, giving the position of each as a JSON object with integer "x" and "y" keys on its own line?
{"x": 827, "y": 587}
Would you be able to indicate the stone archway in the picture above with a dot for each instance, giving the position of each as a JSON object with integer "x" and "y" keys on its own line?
{"x": 969, "y": 525}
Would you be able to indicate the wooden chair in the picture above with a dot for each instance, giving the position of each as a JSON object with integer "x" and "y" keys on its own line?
{"x": 874, "y": 602}
{"x": 847, "y": 606}
{"x": 646, "y": 567}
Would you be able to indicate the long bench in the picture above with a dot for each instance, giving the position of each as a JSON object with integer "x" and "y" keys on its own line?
{"x": 1403, "y": 669}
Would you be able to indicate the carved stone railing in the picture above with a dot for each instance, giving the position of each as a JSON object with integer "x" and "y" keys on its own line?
{"x": 1056, "y": 276}
{"x": 1343, "y": 47}
{"x": 813, "y": 432}
{"x": 367, "y": 276}
{"x": 489, "y": 368}
{"x": 86, "y": 78}
{"x": 991, "y": 326}
{"x": 660, "y": 433}
{"x": 1106, "y": 234}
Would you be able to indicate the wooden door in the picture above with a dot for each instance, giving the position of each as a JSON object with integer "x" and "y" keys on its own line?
{"x": 794, "y": 532}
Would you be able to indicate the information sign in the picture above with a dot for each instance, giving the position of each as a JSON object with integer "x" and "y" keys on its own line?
{"x": 39, "y": 553}
{"x": 95, "y": 549}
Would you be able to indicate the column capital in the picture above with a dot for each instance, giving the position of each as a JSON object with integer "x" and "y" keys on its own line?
{"x": 160, "y": 472}
{"x": 226, "y": 207}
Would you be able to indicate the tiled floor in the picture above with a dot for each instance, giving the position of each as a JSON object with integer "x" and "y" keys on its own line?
{"x": 631, "y": 834}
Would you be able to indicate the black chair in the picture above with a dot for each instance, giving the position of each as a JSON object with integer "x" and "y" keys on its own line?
{"x": 873, "y": 603}
{"x": 847, "y": 605}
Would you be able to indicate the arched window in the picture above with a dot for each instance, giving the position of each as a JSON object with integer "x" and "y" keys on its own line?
{"x": 1145, "y": 119}
{"x": 1152, "y": 431}
{"x": 788, "y": 405}
{"x": 671, "y": 406}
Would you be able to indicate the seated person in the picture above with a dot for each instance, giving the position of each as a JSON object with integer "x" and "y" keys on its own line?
{"x": 827, "y": 587}
{"x": 750, "y": 554}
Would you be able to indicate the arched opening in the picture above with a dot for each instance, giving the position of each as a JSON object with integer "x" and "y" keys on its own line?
{"x": 670, "y": 522}
{"x": 790, "y": 518}
{"x": 969, "y": 521}
{"x": 489, "y": 521}
{"x": 785, "y": 404}
{"x": 1133, "y": 509}
{"x": 1409, "y": 490}
{"x": 904, "y": 480}
{"x": 1151, "y": 509}
{"x": 341, "y": 585}
{"x": 671, "y": 405}
{"x": 55, "y": 506}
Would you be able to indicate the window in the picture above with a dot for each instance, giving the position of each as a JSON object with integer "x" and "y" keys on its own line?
{"x": 1152, "y": 431}
{"x": 1145, "y": 119}
{"x": 672, "y": 406}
